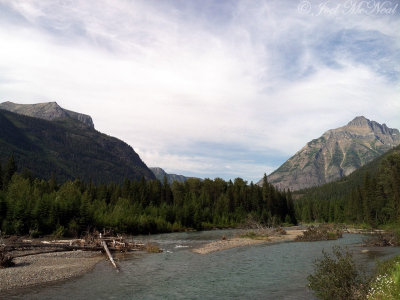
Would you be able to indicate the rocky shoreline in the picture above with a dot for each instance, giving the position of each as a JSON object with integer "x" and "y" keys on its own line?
{"x": 49, "y": 267}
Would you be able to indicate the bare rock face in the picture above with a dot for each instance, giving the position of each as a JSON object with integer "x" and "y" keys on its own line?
{"x": 337, "y": 153}
{"x": 48, "y": 111}
{"x": 160, "y": 174}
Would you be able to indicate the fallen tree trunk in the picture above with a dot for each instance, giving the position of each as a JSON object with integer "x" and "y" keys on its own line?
{"x": 40, "y": 252}
{"x": 24, "y": 246}
{"x": 109, "y": 255}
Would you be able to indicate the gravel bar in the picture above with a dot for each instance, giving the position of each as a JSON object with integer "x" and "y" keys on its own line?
{"x": 43, "y": 268}
{"x": 240, "y": 242}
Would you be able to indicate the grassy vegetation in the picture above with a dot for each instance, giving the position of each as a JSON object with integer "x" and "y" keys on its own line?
{"x": 386, "y": 284}
{"x": 153, "y": 248}
{"x": 254, "y": 236}
{"x": 263, "y": 233}
{"x": 337, "y": 156}
{"x": 352, "y": 158}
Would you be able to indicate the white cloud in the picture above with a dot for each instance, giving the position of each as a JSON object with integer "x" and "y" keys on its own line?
{"x": 165, "y": 79}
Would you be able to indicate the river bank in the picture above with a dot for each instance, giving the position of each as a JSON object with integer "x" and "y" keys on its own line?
{"x": 234, "y": 242}
{"x": 51, "y": 267}
{"x": 264, "y": 271}
{"x": 46, "y": 268}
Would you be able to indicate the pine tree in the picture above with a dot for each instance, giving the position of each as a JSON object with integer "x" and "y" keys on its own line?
{"x": 266, "y": 193}
{"x": 53, "y": 183}
{"x": 290, "y": 207}
{"x": 84, "y": 211}
{"x": 367, "y": 199}
{"x": 166, "y": 195}
{"x": 9, "y": 171}
{"x": 3, "y": 208}
{"x": 1, "y": 177}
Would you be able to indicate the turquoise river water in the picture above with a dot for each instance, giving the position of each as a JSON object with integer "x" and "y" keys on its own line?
{"x": 266, "y": 271}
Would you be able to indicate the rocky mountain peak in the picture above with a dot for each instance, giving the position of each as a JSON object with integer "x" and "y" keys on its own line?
{"x": 337, "y": 153}
{"x": 359, "y": 121}
{"x": 48, "y": 111}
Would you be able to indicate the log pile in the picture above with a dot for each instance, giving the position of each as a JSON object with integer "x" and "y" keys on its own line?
{"x": 90, "y": 242}
{"x": 105, "y": 241}
{"x": 385, "y": 239}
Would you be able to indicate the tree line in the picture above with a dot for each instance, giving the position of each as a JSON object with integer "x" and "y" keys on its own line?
{"x": 374, "y": 201}
{"x": 37, "y": 206}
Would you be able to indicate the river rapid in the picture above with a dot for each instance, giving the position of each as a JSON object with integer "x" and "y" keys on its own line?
{"x": 264, "y": 271}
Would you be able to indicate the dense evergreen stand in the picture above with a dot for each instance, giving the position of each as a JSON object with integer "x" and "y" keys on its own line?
{"x": 35, "y": 206}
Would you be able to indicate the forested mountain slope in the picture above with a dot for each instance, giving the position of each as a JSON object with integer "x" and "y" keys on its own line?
{"x": 67, "y": 148}
{"x": 369, "y": 195}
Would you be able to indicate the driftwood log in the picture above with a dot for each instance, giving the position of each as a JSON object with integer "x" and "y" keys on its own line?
{"x": 109, "y": 255}
{"x": 27, "y": 246}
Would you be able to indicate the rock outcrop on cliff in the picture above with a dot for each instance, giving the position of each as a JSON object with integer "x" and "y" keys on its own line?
{"x": 47, "y": 111}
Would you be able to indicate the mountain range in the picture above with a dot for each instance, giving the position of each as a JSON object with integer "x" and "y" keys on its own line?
{"x": 337, "y": 153}
{"x": 160, "y": 174}
{"x": 48, "y": 139}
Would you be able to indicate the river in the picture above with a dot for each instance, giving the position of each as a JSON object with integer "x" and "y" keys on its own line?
{"x": 265, "y": 271}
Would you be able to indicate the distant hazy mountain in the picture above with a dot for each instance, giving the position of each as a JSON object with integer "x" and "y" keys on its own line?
{"x": 338, "y": 152}
{"x": 65, "y": 143}
{"x": 47, "y": 111}
{"x": 160, "y": 173}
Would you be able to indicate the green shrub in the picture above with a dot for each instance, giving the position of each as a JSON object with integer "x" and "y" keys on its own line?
{"x": 332, "y": 236}
{"x": 337, "y": 277}
{"x": 59, "y": 232}
{"x": 323, "y": 232}
{"x": 249, "y": 235}
{"x": 34, "y": 234}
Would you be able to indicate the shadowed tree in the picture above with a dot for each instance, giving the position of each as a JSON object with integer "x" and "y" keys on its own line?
{"x": 9, "y": 170}
{"x": 1, "y": 177}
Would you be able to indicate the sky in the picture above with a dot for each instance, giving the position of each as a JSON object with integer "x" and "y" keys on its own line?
{"x": 207, "y": 88}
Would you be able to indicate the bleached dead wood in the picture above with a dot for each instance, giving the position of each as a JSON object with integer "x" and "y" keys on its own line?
{"x": 109, "y": 254}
